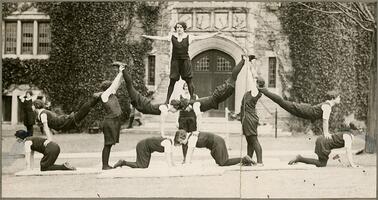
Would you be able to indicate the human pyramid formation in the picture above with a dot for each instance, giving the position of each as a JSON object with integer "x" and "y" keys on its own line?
{"x": 189, "y": 135}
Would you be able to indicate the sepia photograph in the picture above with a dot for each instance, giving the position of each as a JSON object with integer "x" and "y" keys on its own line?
{"x": 189, "y": 99}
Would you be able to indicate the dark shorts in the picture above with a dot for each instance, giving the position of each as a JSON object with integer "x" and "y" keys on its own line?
{"x": 321, "y": 149}
{"x": 189, "y": 124}
{"x": 111, "y": 128}
{"x": 181, "y": 67}
{"x": 220, "y": 94}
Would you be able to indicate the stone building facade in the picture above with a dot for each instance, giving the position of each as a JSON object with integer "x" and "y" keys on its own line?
{"x": 251, "y": 27}
{"x": 246, "y": 26}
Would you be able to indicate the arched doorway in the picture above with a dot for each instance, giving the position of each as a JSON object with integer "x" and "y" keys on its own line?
{"x": 211, "y": 68}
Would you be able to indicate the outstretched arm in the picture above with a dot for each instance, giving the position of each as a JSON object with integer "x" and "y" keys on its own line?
{"x": 46, "y": 127}
{"x": 166, "y": 38}
{"x": 326, "y": 113}
{"x": 191, "y": 146}
{"x": 197, "y": 111}
{"x": 114, "y": 86}
{"x": 168, "y": 152}
{"x": 204, "y": 36}
{"x": 348, "y": 149}
{"x": 163, "y": 116}
{"x": 29, "y": 155}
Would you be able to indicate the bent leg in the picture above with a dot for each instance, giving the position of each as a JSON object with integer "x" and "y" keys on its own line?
{"x": 311, "y": 161}
{"x": 48, "y": 160}
{"x": 143, "y": 157}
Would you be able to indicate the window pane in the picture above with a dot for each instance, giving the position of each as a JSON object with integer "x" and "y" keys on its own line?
{"x": 202, "y": 64}
{"x": 10, "y": 37}
{"x": 272, "y": 72}
{"x": 44, "y": 38}
{"x": 223, "y": 65}
{"x": 27, "y": 38}
{"x": 151, "y": 70}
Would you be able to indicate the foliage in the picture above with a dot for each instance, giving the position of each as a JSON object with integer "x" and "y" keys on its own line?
{"x": 86, "y": 38}
{"x": 328, "y": 52}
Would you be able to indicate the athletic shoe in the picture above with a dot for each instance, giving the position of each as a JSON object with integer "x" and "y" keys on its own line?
{"x": 120, "y": 163}
{"x": 259, "y": 165}
{"x": 69, "y": 166}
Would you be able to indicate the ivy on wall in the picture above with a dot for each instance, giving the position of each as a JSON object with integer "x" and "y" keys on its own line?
{"x": 86, "y": 37}
{"x": 328, "y": 52}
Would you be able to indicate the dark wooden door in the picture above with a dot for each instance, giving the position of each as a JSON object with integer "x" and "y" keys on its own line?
{"x": 211, "y": 68}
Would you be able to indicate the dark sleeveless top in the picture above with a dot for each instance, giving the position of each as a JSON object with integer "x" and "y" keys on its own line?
{"x": 180, "y": 49}
{"x": 154, "y": 144}
{"x": 55, "y": 121}
{"x": 248, "y": 115}
{"x": 37, "y": 144}
{"x": 112, "y": 107}
{"x": 29, "y": 116}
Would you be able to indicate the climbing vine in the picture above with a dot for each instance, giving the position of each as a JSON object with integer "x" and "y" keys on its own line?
{"x": 86, "y": 37}
{"x": 328, "y": 52}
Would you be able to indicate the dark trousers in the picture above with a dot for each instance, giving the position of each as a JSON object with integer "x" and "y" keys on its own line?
{"x": 49, "y": 157}
{"x": 253, "y": 145}
{"x": 29, "y": 128}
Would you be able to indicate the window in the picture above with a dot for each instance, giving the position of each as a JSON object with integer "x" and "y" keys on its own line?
{"x": 10, "y": 37}
{"x": 223, "y": 65}
{"x": 43, "y": 38}
{"x": 151, "y": 70}
{"x": 202, "y": 64}
{"x": 27, "y": 38}
{"x": 7, "y": 108}
{"x": 272, "y": 72}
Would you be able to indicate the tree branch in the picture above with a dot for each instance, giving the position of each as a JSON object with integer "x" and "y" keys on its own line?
{"x": 322, "y": 11}
{"x": 353, "y": 18}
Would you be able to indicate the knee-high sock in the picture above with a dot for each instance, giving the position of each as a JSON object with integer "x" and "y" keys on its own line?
{"x": 105, "y": 155}
{"x": 250, "y": 148}
{"x": 311, "y": 161}
{"x": 257, "y": 148}
{"x": 190, "y": 84}
{"x": 171, "y": 86}
{"x": 237, "y": 69}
